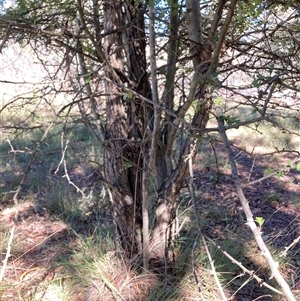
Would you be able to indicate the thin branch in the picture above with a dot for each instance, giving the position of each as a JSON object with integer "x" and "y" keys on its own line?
{"x": 286, "y": 249}
{"x": 222, "y": 36}
{"x": 245, "y": 270}
{"x": 6, "y": 37}
{"x": 217, "y": 18}
{"x": 274, "y": 267}
{"x": 7, "y": 255}
{"x": 63, "y": 161}
{"x": 87, "y": 86}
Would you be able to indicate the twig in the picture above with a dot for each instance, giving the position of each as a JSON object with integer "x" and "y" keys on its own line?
{"x": 63, "y": 154}
{"x": 274, "y": 267}
{"x": 7, "y": 255}
{"x": 213, "y": 269}
{"x": 38, "y": 244}
{"x": 284, "y": 170}
{"x": 245, "y": 270}
{"x": 6, "y": 37}
{"x": 251, "y": 169}
{"x": 295, "y": 241}
{"x": 259, "y": 180}
{"x": 63, "y": 161}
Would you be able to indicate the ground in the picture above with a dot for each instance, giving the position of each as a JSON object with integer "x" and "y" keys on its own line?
{"x": 42, "y": 241}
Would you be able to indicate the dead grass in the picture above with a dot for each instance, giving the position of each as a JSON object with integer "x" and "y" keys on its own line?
{"x": 63, "y": 247}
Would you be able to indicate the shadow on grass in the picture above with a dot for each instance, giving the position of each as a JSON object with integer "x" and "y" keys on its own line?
{"x": 223, "y": 219}
{"x": 65, "y": 239}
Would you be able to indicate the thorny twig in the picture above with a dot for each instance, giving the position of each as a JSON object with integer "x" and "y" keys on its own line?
{"x": 274, "y": 267}
{"x": 63, "y": 161}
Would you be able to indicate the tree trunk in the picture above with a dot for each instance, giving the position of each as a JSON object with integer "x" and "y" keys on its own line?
{"x": 127, "y": 118}
{"x": 129, "y": 130}
{"x": 166, "y": 225}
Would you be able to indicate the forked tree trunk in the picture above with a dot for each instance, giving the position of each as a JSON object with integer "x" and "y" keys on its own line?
{"x": 166, "y": 225}
{"x": 129, "y": 131}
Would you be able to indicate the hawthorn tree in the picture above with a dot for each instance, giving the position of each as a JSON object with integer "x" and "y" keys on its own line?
{"x": 147, "y": 76}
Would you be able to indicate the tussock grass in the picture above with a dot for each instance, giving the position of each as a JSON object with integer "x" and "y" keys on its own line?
{"x": 98, "y": 273}
{"x": 86, "y": 264}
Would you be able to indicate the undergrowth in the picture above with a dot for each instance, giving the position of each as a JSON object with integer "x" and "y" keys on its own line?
{"x": 79, "y": 259}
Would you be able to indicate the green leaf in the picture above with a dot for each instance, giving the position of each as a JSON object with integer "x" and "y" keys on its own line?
{"x": 256, "y": 83}
{"x": 271, "y": 68}
{"x": 127, "y": 165}
{"x": 128, "y": 95}
{"x": 269, "y": 171}
{"x": 87, "y": 79}
{"x": 232, "y": 120}
{"x": 260, "y": 76}
{"x": 196, "y": 105}
{"x": 260, "y": 220}
{"x": 279, "y": 173}
{"x": 218, "y": 101}
{"x": 199, "y": 138}
{"x": 298, "y": 166}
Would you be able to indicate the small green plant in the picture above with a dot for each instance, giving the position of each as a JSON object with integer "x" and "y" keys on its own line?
{"x": 127, "y": 165}
{"x": 260, "y": 220}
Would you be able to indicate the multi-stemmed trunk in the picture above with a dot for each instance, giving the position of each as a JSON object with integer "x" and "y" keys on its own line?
{"x": 129, "y": 129}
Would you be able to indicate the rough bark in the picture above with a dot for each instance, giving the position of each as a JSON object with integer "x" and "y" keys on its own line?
{"x": 132, "y": 133}
{"x": 166, "y": 225}
{"x": 128, "y": 118}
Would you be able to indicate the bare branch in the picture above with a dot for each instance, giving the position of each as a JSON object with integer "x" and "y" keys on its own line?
{"x": 245, "y": 270}
{"x": 217, "y": 17}
{"x": 250, "y": 221}
{"x": 221, "y": 39}
{"x": 6, "y": 37}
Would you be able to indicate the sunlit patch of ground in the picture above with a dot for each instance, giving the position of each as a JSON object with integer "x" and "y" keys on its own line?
{"x": 37, "y": 242}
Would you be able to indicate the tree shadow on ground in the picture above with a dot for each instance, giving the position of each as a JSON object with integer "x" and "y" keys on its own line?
{"x": 276, "y": 200}
{"x": 49, "y": 224}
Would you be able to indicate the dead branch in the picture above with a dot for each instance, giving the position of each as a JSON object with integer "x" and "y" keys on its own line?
{"x": 245, "y": 270}
{"x": 295, "y": 241}
{"x": 274, "y": 267}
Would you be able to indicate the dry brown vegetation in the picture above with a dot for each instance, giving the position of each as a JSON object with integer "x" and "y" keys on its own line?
{"x": 62, "y": 247}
